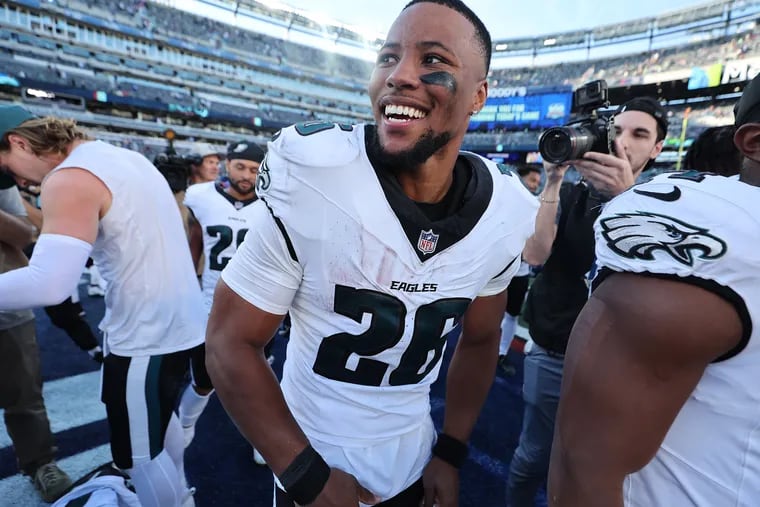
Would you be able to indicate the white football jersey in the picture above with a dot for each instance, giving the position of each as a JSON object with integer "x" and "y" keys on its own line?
{"x": 372, "y": 286}
{"x": 224, "y": 221}
{"x": 153, "y": 302}
{"x": 700, "y": 229}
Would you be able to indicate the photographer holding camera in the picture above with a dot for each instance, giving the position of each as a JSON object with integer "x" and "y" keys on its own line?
{"x": 204, "y": 163}
{"x": 563, "y": 242}
{"x": 201, "y": 165}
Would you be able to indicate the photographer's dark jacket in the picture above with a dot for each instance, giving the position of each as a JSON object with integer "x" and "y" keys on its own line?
{"x": 560, "y": 290}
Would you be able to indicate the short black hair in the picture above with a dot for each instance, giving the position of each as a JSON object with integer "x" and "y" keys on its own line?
{"x": 714, "y": 151}
{"x": 481, "y": 32}
{"x": 525, "y": 169}
{"x": 652, "y": 107}
{"x": 747, "y": 109}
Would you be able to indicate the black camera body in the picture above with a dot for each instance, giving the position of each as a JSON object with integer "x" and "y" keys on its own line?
{"x": 174, "y": 168}
{"x": 589, "y": 131}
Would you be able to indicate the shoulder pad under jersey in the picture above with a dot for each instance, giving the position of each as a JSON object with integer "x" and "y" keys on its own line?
{"x": 195, "y": 192}
{"x": 318, "y": 144}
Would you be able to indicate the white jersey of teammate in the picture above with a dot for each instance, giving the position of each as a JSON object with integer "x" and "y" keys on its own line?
{"x": 700, "y": 229}
{"x": 372, "y": 287}
{"x": 224, "y": 221}
{"x": 153, "y": 302}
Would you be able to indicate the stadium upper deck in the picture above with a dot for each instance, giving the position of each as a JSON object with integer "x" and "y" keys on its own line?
{"x": 160, "y": 62}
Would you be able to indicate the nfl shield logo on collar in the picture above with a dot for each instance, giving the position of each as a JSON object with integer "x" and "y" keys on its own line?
{"x": 427, "y": 242}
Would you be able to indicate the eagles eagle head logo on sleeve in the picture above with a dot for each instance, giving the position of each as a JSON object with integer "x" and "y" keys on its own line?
{"x": 638, "y": 235}
{"x": 263, "y": 178}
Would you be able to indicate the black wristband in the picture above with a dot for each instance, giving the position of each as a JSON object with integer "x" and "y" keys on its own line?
{"x": 305, "y": 477}
{"x": 452, "y": 451}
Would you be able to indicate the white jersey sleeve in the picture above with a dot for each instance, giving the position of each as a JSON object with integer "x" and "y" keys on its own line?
{"x": 669, "y": 226}
{"x": 191, "y": 195}
{"x": 500, "y": 282}
{"x": 687, "y": 226}
{"x": 265, "y": 270}
{"x": 523, "y": 223}
{"x": 262, "y": 271}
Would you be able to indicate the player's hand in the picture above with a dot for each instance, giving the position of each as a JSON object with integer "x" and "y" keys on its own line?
{"x": 343, "y": 490}
{"x": 555, "y": 172}
{"x": 609, "y": 174}
{"x": 441, "y": 483}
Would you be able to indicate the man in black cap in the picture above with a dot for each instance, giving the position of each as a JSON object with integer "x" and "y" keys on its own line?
{"x": 660, "y": 402}
{"x": 563, "y": 242}
{"x": 218, "y": 224}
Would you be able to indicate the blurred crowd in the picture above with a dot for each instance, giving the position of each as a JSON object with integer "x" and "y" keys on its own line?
{"x": 284, "y": 99}
{"x": 630, "y": 69}
{"x": 157, "y": 19}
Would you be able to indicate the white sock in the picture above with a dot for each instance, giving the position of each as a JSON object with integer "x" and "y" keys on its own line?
{"x": 174, "y": 445}
{"x": 95, "y": 278}
{"x": 94, "y": 275}
{"x": 508, "y": 327}
{"x": 191, "y": 406}
{"x": 157, "y": 482}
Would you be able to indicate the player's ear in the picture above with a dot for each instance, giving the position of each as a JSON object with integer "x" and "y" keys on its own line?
{"x": 18, "y": 141}
{"x": 747, "y": 139}
{"x": 657, "y": 149}
{"x": 481, "y": 94}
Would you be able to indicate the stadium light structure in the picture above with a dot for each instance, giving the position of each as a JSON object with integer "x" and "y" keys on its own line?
{"x": 676, "y": 22}
{"x": 335, "y": 31}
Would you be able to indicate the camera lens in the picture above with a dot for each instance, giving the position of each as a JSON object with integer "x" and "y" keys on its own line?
{"x": 556, "y": 145}
{"x": 560, "y": 144}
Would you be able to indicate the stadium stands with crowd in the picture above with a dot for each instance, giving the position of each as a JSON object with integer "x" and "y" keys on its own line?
{"x": 137, "y": 67}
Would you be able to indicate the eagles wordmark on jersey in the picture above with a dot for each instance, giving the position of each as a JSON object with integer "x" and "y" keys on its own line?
{"x": 701, "y": 229}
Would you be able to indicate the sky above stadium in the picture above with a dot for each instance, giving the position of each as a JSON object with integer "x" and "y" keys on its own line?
{"x": 504, "y": 18}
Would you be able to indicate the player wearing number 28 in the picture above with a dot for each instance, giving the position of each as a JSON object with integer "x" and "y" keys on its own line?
{"x": 219, "y": 216}
{"x": 378, "y": 239}
{"x": 218, "y": 223}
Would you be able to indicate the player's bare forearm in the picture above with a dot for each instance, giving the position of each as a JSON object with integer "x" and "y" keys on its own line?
{"x": 195, "y": 239}
{"x": 473, "y": 365}
{"x": 244, "y": 381}
{"x": 539, "y": 245}
{"x": 252, "y": 397}
{"x": 470, "y": 376}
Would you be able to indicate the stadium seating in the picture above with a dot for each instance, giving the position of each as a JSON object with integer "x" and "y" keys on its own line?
{"x": 629, "y": 69}
{"x": 146, "y": 60}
